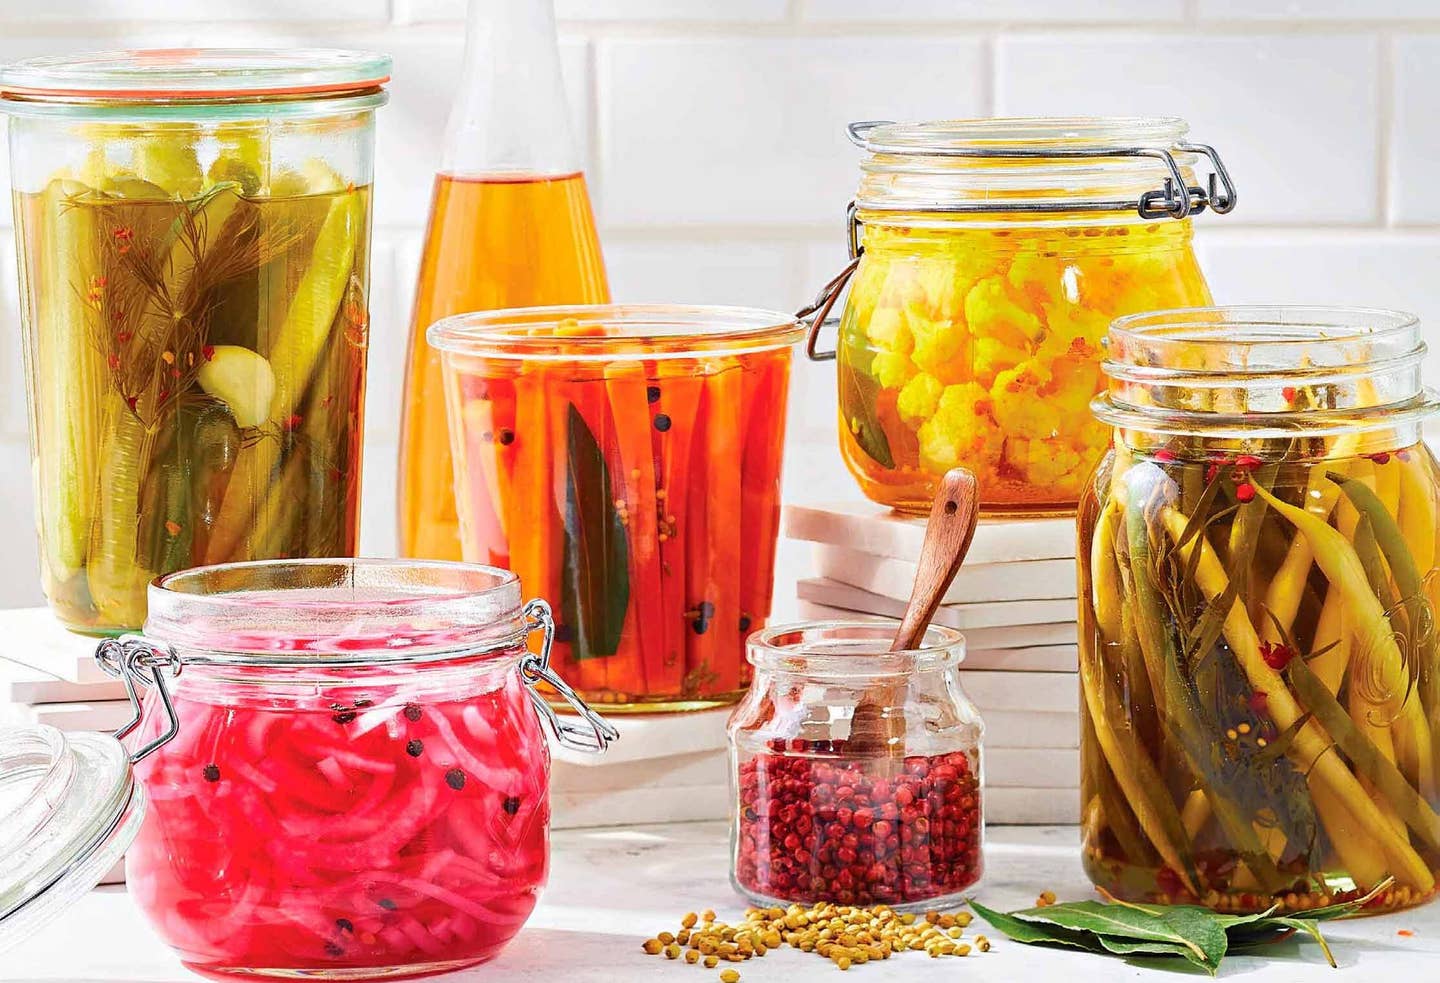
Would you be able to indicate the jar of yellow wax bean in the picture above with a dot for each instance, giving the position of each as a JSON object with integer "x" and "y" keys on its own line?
{"x": 988, "y": 258}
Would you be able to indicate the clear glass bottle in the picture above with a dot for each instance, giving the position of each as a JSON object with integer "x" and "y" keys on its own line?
{"x": 856, "y": 772}
{"x": 1261, "y": 689}
{"x": 510, "y": 226}
{"x": 988, "y": 258}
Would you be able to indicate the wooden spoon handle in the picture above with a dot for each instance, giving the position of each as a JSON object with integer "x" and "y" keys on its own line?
{"x": 947, "y": 539}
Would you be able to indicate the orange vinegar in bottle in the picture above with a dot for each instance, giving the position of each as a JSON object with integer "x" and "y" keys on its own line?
{"x": 510, "y": 226}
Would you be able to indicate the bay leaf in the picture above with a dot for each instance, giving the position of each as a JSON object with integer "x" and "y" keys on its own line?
{"x": 1122, "y": 922}
{"x": 595, "y": 579}
{"x": 1035, "y": 934}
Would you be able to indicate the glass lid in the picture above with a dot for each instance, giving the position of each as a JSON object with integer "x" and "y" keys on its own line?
{"x": 195, "y": 74}
{"x": 69, "y": 808}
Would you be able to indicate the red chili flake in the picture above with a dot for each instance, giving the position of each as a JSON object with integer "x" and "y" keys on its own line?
{"x": 124, "y": 233}
{"x": 1165, "y": 455}
{"x": 1403, "y": 455}
{"x": 1405, "y": 933}
{"x": 132, "y": 402}
{"x": 1212, "y": 472}
{"x": 329, "y": 398}
{"x": 172, "y": 527}
{"x": 174, "y": 373}
{"x": 1380, "y": 458}
{"x": 123, "y": 337}
{"x": 208, "y": 352}
{"x": 1276, "y": 654}
{"x": 292, "y": 422}
{"x": 1288, "y": 394}
{"x": 1248, "y": 461}
{"x": 1259, "y": 702}
{"x": 1245, "y": 492}
{"x": 113, "y": 361}
{"x": 163, "y": 395}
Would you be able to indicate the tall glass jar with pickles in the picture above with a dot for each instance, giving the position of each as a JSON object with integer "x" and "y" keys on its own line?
{"x": 193, "y": 234}
{"x": 1259, "y": 668}
{"x": 988, "y": 257}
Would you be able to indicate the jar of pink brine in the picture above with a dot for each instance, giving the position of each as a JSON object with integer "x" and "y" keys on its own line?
{"x": 345, "y": 763}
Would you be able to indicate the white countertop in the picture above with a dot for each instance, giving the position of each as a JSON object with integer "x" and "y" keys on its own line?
{"x": 612, "y": 888}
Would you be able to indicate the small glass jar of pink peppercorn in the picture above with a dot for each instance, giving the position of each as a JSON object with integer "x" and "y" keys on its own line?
{"x": 856, "y": 771}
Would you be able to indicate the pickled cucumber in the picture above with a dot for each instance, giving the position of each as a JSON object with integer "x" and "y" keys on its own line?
{"x": 192, "y": 385}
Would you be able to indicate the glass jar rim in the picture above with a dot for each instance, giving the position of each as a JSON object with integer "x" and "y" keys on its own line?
{"x": 933, "y": 137}
{"x": 604, "y": 332}
{"x": 335, "y": 612}
{"x": 798, "y": 648}
{"x": 1158, "y": 361}
{"x": 194, "y": 75}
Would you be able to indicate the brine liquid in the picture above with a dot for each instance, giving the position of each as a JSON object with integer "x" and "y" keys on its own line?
{"x": 344, "y": 830}
{"x": 196, "y": 382}
{"x": 492, "y": 243}
{"x": 641, "y": 498}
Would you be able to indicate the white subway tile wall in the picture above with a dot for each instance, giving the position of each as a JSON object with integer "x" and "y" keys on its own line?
{"x": 719, "y": 167}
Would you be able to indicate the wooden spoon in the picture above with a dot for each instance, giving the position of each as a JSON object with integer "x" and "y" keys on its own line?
{"x": 948, "y": 535}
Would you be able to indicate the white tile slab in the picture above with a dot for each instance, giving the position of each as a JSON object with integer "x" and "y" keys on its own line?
{"x": 1031, "y": 806}
{"x": 173, "y": 11}
{"x": 22, "y": 684}
{"x": 743, "y": 130}
{"x": 869, "y": 528}
{"x": 1295, "y": 117}
{"x": 1034, "y": 692}
{"x": 707, "y": 11}
{"x": 1032, "y": 768}
{"x": 1035, "y": 658}
{"x": 709, "y": 271}
{"x": 106, "y": 715}
{"x": 1024, "y": 729}
{"x": 645, "y": 737}
{"x": 1026, "y": 580}
{"x": 33, "y": 637}
{"x": 985, "y": 614}
{"x": 983, "y": 639}
{"x": 699, "y": 768}
{"x": 618, "y": 807}
{"x": 1415, "y": 129}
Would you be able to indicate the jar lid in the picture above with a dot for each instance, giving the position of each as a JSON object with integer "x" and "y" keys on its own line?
{"x": 1038, "y": 164}
{"x": 195, "y": 74}
{"x": 69, "y": 808}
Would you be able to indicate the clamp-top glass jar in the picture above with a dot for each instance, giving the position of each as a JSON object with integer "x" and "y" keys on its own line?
{"x": 989, "y": 257}
{"x": 348, "y": 780}
{"x": 1258, "y": 660}
{"x": 856, "y": 770}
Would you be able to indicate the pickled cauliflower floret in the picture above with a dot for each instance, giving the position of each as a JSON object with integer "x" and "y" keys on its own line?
{"x": 993, "y": 310}
{"x": 961, "y": 431}
{"x": 1046, "y": 463}
{"x": 993, "y": 356}
{"x": 939, "y": 346}
{"x": 891, "y": 369}
{"x": 887, "y": 330}
{"x": 1019, "y": 405}
{"x": 918, "y": 400}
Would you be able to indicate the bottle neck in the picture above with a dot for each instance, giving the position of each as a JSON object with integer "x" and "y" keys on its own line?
{"x": 510, "y": 117}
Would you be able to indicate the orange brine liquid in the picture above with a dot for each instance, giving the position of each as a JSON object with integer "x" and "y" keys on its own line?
{"x": 492, "y": 243}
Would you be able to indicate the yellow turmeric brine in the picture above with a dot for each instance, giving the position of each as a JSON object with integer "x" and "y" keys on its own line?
{"x": 988, "y": 259}
{"x": 1258, "y": 648}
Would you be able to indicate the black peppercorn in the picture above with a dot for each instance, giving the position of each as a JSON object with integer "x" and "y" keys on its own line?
{"x": 415, "y": 748}
{"x": 211, "y": 773}
{"x": 511, "y": 805}
{"x": 455, "y": 778}
{"x": 652, "y": 394}
{"x": 412, "y": 713}
{"x": 662, "y": 422}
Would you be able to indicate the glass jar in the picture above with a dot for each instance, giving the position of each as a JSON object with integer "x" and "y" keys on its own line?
{"x": 988, "y": 258}
{"x": 348, "y": 779}
{"x": 193, "y": 230}
{"x": 624, "y": 461}
{"x": 855, "y": 771}
{"x": 1261, "y": 694}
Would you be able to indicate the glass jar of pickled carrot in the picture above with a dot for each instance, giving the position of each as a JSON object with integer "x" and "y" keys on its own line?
{"x": 624, "y": 462}
{"x": 1258, "y": 649}
{"x": 987, "y": 259}
{"x": 346, "y": 773}
{"x": 193, "y": 229}
{"x": 855, "y": 770}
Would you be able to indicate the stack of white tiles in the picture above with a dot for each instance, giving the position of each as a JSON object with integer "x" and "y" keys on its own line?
{"x": 713, "y": 131}
{"x": 1014, "y": 600}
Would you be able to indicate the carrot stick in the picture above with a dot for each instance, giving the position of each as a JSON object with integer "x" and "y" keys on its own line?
{"x": 680, "y": 393}
{"x": 765, "y": 379}
{"x": 634, "y": 473}
{"x": 713, "y": 561}
{"x": 535, "y": 556}
{"x": 483, "y": 536}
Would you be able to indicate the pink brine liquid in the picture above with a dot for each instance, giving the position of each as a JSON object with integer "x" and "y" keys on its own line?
{"x": 344, "y": 830}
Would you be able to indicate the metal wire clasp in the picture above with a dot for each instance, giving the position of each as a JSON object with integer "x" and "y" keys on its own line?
{"x": 818, "y": 310}
{"x": 597, "y": 733}
{"x": 135, "y": 659}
